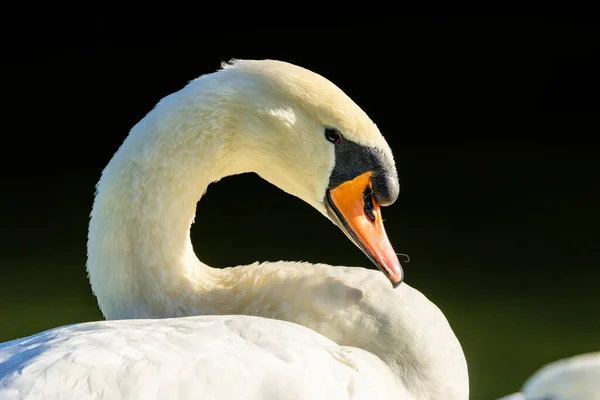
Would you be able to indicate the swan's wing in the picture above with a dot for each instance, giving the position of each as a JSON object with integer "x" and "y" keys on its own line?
{"x": 206, "y": 357}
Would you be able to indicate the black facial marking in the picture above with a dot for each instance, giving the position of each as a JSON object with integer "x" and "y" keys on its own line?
{"x": 352, "y": 160}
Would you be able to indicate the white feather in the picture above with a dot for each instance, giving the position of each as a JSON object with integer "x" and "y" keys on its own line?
{"x": 202, "y": 357}
{"x": 572, "y": 378}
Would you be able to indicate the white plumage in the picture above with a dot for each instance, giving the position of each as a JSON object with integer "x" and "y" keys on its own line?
{"x": 572, "y": 378}
{"x": 201, "y": 357}
{"x": 356, "y": 337}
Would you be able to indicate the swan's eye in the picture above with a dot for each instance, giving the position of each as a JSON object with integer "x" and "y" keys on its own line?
{"x": 333, "y": 135}
{"x": 369, "y": 208}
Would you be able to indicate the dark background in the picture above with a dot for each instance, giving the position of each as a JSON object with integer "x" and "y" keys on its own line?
{"x": 493, "y": 122}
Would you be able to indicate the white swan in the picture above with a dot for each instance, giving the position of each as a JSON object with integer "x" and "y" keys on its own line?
{"x": 300, "y": 132}
{"x": 573, "y": 378}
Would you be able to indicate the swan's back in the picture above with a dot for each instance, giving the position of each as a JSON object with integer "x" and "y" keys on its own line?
{"x": 573, "y": 378}
{"x": 207, "y": 357}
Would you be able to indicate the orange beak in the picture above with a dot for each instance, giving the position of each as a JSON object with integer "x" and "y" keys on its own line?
{"x": 352, "y": 207}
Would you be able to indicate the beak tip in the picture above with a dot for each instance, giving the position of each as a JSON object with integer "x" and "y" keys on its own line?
{"x": 397, "y": 283}
{"x": 397, "y": 277}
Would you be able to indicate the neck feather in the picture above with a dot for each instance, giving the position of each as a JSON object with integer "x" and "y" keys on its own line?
{"x": 140, "y": 257}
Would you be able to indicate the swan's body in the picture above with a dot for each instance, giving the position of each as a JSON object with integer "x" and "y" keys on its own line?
{"x": 265, "y": 117}
{"x": 573, "y": 378}
{"x": 201, "y": 357}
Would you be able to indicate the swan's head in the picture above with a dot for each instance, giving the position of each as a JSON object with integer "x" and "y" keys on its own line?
{"x": 305, "y": 135}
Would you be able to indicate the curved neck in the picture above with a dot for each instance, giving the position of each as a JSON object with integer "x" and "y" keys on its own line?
{"x": 140, "y": 257}
{"x": 141, "y": 263}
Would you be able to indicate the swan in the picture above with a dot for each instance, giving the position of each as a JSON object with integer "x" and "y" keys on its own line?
{"x": 572, "y": 378}
{"x": 177, "y": 328}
